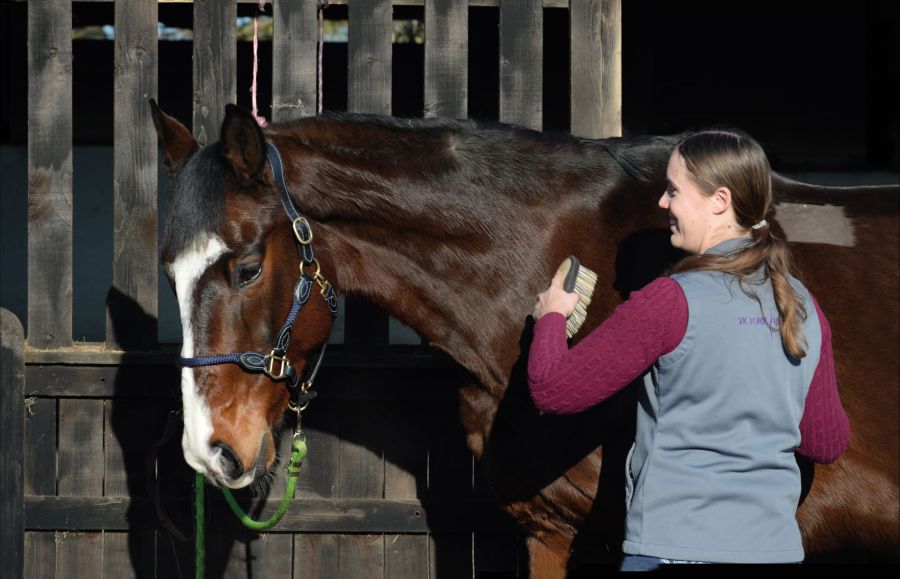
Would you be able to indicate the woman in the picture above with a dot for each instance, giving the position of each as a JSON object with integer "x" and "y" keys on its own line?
{"x": 737, "y": 368}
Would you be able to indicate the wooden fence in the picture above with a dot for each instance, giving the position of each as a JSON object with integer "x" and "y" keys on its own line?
{"x": 389, "y": 489}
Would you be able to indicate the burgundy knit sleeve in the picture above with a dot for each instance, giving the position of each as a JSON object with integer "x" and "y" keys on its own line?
{"x": 563, "y": 381}
{"x": 824, "y": 428}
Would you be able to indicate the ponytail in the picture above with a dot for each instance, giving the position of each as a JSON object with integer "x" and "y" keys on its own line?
{"x": 735, "y": 160}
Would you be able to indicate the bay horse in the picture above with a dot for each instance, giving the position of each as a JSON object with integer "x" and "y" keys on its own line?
{"x": 453, "y": 227}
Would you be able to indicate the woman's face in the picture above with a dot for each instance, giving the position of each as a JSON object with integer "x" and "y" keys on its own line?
{"x": 690, "y": 211}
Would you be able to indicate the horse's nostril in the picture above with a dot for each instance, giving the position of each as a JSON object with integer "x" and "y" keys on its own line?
{"x": 228, "y": 459}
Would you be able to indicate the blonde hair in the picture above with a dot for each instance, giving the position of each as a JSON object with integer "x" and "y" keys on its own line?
{"x": 727, "y": 158}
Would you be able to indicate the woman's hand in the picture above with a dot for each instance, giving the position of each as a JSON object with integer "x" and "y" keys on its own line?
{"x": 555, "y": 299}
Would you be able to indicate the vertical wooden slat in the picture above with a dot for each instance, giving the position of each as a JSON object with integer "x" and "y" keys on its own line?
{"x": 80, "y": 460}
{"x": 321, "y": 470}
{"x": 134, "y": 268}
{"x": 40, "y": 447}
{"x": 294, "y": 60}
{"x": 446, "y": 58}
{"x": 130, "y": 432}
{"x": 406, "y": 556}
{"x": 405, "y": 472}
{"x": 596, "y": 67}
{"x": 369, "y": 91}
{"x": 215, "y": 57}
{"x": 449, "y": 477}
{"x": 316, "y": 556}
{"x": 12, "y": 419}
{"x": 521, "y": 62}
{"x": 272, "y": 555}
{"x": 131, "y": 554}
{"x": 369, "y": 50}
{"x": 361, "y": 430}
{"x": 79, "y": 555}
{"x": 40, "y": 555}
{"x": 362, "y": 557}
{"x": 49, "y": 174}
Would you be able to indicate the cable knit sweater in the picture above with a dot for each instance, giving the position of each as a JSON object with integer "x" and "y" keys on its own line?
{"x": 651, "y": 323}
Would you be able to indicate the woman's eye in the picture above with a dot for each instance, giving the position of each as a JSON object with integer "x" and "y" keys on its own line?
{"x": 248, "y": 274}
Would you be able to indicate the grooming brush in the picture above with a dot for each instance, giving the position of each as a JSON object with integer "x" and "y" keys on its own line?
{"x": 580, "y": 280}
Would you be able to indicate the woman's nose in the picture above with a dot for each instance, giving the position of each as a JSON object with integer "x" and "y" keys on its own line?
{"x": 663, "y": 201}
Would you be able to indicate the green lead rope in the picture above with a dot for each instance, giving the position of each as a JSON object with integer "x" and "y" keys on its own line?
{"x": 298, "y": 453}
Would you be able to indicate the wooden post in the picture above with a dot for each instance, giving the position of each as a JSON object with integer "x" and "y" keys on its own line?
{"x": 134, "y": 272}
{"x": 596, "y": 67}
{"x": 521, "y": 63}
{"x": 369, "y": 91}
{"x": 446, "y": 58}
{"x": 215, "y": 65}
{"x": 294, "y": 60}
{"x": 12, "y": 417}
{"x": 50, "y": 174}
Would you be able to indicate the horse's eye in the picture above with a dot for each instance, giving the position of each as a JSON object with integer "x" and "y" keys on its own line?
{"x": 247, "y": 274}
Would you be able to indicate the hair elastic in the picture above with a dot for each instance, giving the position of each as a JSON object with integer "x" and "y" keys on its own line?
{"x": 760, "y": 225}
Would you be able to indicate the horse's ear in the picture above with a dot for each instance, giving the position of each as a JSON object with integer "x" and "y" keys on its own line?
{"x": 176, "y": 142}
{"x": 243, "y": 144}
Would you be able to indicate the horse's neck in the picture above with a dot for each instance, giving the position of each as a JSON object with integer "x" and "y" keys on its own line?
{"x": 466, "y": 294}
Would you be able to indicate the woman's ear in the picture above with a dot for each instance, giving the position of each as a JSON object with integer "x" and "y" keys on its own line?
{"x": 243, "y": 144}
{"x": 177, "y": 143}
{"x": 721, "y": 200}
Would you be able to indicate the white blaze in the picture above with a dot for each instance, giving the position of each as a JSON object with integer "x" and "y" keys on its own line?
{"x": 186, "y": 270}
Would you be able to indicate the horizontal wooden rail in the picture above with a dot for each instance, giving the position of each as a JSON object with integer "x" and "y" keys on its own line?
{"x": 488, "y": 3}
{"x": 339, "y": 383}
{"x": 44, "y": 513}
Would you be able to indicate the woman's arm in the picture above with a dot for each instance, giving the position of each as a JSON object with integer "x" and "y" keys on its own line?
{"x": 824, "y": 428}
{"x": 650, "y": 324}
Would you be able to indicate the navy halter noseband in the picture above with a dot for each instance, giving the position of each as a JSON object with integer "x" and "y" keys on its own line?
{"x": 276, "y": 364}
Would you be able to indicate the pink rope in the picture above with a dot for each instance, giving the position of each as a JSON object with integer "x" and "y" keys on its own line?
{"x": 259, "y": 119}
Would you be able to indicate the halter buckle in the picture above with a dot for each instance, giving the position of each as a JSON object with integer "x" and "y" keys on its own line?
{"x": 283, "y": 366}
{"x": 298, "y": 231}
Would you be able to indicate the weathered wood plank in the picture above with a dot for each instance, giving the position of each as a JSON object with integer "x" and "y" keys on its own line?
{"x": 321, "y": 469}
{"x": 316, "y": 556}
{"x": 362, "y": 556}
{"x": 215, "y": 73}
{"x": 131, "y": 429}
{"x": 405, "y": 450}
{"x": 369, "y": 50}
{"x": 127, "y": 555}
{"x": 406, "y": 556}
{"x": 96, "y": 354}
{"x": 131, "y": 310}
{"x": 361, "y": 431}
{"x": 272, "y": 555}
{"x": 80, "y": 461}
{"x": 50, "y": 174}
{"x": 40, "y": 447}
{"x": 103, "y": 381}
{"x": 307, "y": 516}
{"x": 79, "y": 555}
{"x": 521, "y": 63}
{"x": 294, "y": 59}
{"x": 446, "y": 58}
{"x": 40, "y": 555}
{"x": 12, "y": 419}
{"x": 596, "y": 68}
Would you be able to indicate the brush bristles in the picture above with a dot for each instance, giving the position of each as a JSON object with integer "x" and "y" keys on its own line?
{"x": 584, "y": 287}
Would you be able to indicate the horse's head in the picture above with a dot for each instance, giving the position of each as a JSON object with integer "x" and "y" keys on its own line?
{"x": 231, "y": 256}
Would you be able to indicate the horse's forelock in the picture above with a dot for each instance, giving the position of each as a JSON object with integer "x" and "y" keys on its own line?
{"x": 197, "y": 202}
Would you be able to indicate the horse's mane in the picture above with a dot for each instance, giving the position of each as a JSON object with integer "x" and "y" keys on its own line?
{"x": 197, "y": 202}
